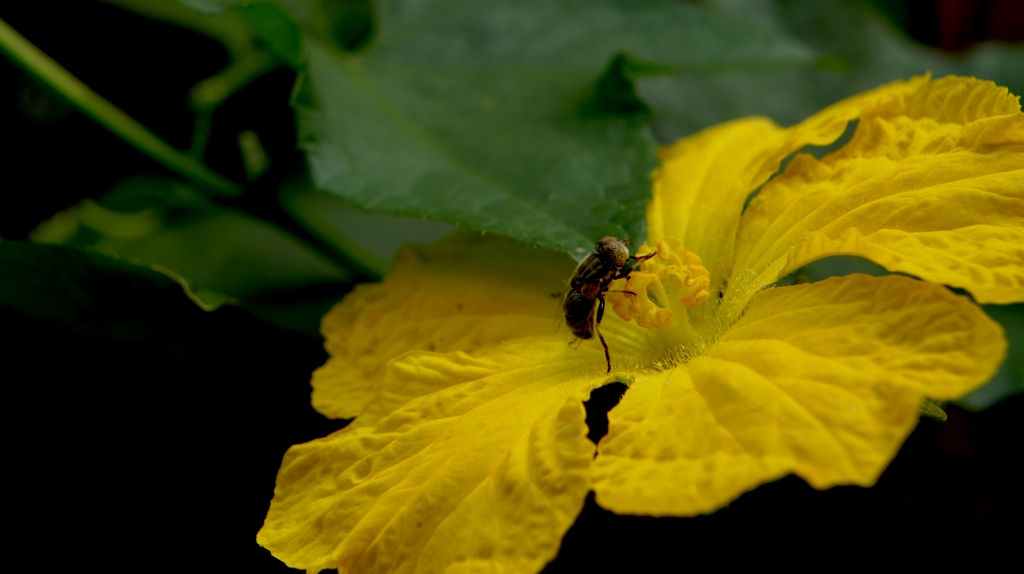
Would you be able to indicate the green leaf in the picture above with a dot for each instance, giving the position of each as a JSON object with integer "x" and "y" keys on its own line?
{"x": 614, "y": 93}
{"x": 91, "y": 293}
{"x": 276, "y": 28}
{"x": 932, "y": 411}
{"x": 1009, "y": 380}
{"x": 482, "y": 114}
{"x": 368, "y": 241}
{"x": 348, "y": 23}
{"x": 209, "y": 6}
{"x": 863, "y": 52}
{"x": 223, "y": 255}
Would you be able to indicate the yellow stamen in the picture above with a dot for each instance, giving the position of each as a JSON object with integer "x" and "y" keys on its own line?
{"x": 664, "y": 285}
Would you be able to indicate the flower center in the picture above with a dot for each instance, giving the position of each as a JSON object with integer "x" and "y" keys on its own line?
{"x": 660, "y": 290}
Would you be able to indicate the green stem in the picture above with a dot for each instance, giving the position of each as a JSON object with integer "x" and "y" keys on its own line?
{"x": 201, "y": 134}
{"x": 302, "y": 204}
{"x": 213, "y": 91}
{"x": 34, "y": 61}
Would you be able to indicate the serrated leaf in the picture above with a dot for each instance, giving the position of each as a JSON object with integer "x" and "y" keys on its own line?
{"x": 473, "y": 113}
{"x": 91, "y": 293}
{"x": 220, "y": 254}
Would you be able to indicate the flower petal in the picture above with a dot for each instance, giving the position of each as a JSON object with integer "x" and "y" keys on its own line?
{"x": 486, "y": 469}
{"x": 823, "y": 380}
{"x": 705, "y": 179}
{"x": 467, "y": 292}
{"x": 932, "y": 184}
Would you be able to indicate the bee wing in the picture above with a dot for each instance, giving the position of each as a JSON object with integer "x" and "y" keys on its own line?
{"x": 590, "y": 270}
{"x": 572, "y": 340}
{"x": 559, "y": 313}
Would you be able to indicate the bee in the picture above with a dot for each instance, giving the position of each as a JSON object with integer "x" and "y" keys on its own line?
{"x": 589, "y": 283}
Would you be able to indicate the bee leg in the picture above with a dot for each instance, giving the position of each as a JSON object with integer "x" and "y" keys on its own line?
{"x": 631, "y": 294}
{"x": 597, "y": 327}
{"x": 627, "y": 269}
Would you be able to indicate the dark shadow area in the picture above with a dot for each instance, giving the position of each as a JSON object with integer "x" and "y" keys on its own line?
{"x": 952, "y": 491}
{"x": 600, "y": 402}
{"x": 158, "y": 451}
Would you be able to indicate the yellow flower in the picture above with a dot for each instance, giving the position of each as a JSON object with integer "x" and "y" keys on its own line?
{"x": 469, "y": 448}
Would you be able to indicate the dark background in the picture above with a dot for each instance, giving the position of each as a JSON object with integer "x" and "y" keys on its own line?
{"x": 160, "y": 452}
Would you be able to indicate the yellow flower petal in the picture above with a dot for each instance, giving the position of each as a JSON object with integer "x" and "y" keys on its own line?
{"x": 705, "y": 179}
{"x": 823, "y": 380}
{"x": 932, "y": 184}
{"x": 468, "y": 452}
{"x": 466, "y": 292}
{"x": 485, "y": 470}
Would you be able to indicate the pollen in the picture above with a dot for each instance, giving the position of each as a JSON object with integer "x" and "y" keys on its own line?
{"x": 661, "y": 287}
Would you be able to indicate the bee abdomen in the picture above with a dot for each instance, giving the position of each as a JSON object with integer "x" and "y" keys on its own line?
{"x": 579, "y": 314}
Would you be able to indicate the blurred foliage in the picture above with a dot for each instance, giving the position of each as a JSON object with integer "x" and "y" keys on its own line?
{"x": 1009, "y": 380}
{"x": 277, "y": 29}
{"x": 367, "y": 242}
{"x": 90, "y": 293}
{"x": 861, "y": 51}
{"x": 223, "y": 255}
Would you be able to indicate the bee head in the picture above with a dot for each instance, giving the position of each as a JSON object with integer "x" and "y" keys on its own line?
{"x": 612, "y": 251}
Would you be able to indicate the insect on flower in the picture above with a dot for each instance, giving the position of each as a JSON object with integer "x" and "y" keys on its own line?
{"x": 475, "y": 454}
{"x": 589, "y": 282}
